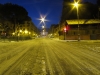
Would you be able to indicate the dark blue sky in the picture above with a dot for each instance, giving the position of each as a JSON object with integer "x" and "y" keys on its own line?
{"x": 51, "y": 8}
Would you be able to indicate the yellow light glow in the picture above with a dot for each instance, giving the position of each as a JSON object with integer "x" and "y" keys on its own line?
{"x": 55, "y": 34}
{"x": 76, "y": 4}
{"x": 26, "y": 31}
{"x": 18, "y": 34}
{"x": 20, "y": 30}
{"x": 13, "y": 33}
{"x": 29, "y": 32}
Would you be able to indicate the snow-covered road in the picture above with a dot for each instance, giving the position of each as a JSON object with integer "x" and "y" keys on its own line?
{"x": 45, "y": 56}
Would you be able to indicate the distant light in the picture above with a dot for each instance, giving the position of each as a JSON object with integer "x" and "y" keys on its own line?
{"x": 20, "y": 30}
{"x": 65, "y": 28}
{"x": 26, "y": 31}
{"x": 42, "y": 26}
{"x": 42, "y": 19}
{"x": 29, "y": 32}
{"x": 34, "y": 34}
{"x": 13, "y": 33}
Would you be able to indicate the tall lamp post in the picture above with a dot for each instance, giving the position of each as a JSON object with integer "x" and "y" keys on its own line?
{"x": 43, "y": 26}
{"x": 65, "y": 33}
{"x": 76, "y": 5}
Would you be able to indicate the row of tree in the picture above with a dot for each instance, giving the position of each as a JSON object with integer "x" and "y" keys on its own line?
{"x": 13, "y": 12}
{"x": 86, "y": 10}
{"x": 12, "y": 17}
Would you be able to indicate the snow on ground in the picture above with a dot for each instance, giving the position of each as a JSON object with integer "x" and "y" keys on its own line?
{"x": 59, "y": 58}
{"x": 9, "y": 53}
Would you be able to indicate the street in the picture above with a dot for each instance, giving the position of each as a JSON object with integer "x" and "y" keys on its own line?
{"x": 46, "y": 56}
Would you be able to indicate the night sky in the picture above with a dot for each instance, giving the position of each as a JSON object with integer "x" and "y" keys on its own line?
{"x": 52, "y": 9}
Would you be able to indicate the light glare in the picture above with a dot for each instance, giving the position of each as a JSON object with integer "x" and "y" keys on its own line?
{"x": 76, "y": 4}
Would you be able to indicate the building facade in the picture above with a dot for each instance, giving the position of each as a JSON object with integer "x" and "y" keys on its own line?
{"x": 89, "y": 29}
{"x": 27, "y": 28}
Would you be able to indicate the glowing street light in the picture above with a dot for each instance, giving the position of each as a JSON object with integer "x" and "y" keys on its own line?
{"x": 76, "y": 5}
{"x": 26, "y": 31}
{"x": 20, "y": 30}
{"x": 13, "y": 33}
{"x": 43, "y": 26}
{"x": 42, "y": 19}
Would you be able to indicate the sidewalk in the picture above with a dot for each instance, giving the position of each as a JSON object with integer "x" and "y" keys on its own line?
{"x": 91, "y": 41}
{"x": 76, "y": 40}
{"x": 6, "y": 40}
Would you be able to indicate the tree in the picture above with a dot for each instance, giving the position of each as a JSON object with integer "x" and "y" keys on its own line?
{"x": 14, "y": 12}
{"x": 98, "y": 2}
{"x": 65, "y": 10}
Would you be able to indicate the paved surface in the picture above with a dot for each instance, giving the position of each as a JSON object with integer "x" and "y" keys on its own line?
{"x": 45, "y": 56}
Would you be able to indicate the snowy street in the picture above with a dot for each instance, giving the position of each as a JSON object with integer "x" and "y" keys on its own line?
{"x": 44, "y": 56}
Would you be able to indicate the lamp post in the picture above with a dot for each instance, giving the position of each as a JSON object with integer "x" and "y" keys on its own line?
{"x": 20, "y": 34}
{"x": 76, "y": 5}
{"x": 43, "y": 26}
{"x": 26, "y": 34}
{"x": 43, "y": 22}
{"x": 65, "y": 33}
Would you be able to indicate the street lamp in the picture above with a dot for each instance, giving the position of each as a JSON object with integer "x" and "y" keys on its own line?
{"x": 20, "y": 34}
{"x": 43, "y": 19}
{"x": 43, "y": 26}
{"x": 76, "y": 5}
{"x": 20, "y": 31}
{"x": 26, "y": 31}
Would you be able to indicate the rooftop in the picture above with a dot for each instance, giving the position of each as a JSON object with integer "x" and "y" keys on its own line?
{"x": 83, "y": 21}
